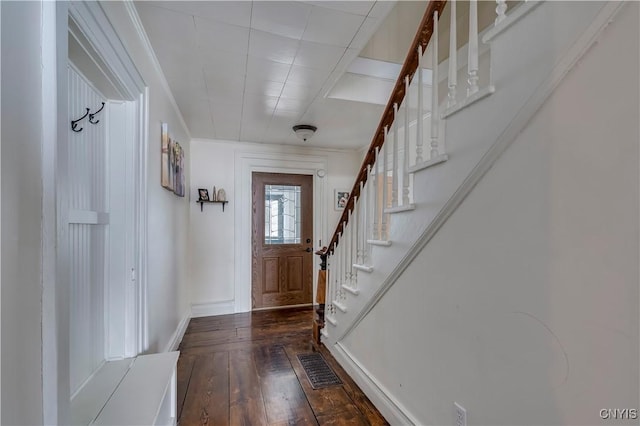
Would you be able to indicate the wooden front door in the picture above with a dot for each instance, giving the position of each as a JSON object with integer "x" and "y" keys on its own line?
{"x": 282, "y": 240}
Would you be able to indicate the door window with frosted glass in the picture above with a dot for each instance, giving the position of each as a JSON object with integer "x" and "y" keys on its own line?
{"x": 282, "y": 214}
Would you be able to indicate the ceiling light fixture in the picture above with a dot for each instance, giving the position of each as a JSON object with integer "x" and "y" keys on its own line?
{"x": 304, "y": 131}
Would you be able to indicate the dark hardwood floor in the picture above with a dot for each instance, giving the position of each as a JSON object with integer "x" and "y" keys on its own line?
{"x": 242, "y": 369}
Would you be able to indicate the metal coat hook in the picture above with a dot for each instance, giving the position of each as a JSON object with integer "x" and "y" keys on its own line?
{"x": 94, "y": 114}
{"x": 74, "y": 123}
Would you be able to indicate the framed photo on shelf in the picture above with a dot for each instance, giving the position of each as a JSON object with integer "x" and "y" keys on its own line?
{"x": 340, "y": 198}
{"x": 203, "y": 194}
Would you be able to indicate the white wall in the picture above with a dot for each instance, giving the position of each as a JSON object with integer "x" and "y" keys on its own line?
{"x": 524, "y": 306}
{"x": 168, "y": 218}
{"x": 21, "y": 214}
{"x": 215, "y": 236}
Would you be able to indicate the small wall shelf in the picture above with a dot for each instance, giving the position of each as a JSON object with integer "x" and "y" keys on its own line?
{"x": 202, "y": 203}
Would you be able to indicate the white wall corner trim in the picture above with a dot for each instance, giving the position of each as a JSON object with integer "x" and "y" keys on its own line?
{"x": 135, "y": 19}
{"x": 212, "y": 308}
{"x": 523, "y": 117}
{"x": 176, "y": 338}
{"x": 394, "y": 412}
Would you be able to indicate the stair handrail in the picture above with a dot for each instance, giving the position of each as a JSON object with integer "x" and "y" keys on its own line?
{"x": 422, "y": 38}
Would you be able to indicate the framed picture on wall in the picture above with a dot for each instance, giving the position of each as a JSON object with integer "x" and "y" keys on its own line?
{"x": 340, "y": 198}
{"x": 203, "y": 194}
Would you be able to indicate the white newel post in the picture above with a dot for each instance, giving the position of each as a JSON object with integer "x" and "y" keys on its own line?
{"x": 405, "y": 157}
{"x": 434, "y": 90}
{"x": 473, "y": 48}
{"x": 453, "y": 55}
{"x": 419, "y": 123}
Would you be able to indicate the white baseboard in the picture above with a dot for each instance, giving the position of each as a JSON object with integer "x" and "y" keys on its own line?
{"x": 179, "y": 333}
{"x": 212, "y": 308}
{"x": 388, "y": 406}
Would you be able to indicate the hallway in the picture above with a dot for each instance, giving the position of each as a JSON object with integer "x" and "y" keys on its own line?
{"x": 243, "y": 369}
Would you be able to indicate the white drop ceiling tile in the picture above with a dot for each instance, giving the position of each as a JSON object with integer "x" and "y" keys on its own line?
{"x": 228, "y": 132}
{"x": 267, "y": 70}
{"x": 282, "y": 126}
{"x": 364, "y": 33}
{"x": 259, "y": 86}
{"x": 307, "y": 76}
{"x": 217, "y": 80}
{"x": 300, "y": 92}
{"x": 176, "y": 56}
{"x": 318, "y": 56}
{"x": 225, "y": 112}
{"x": 185, "y": 97}
{"x": 220, "y": 36}
{"x": 255, "y": 119}
{"x": 291, "y": 105}
{"x": 381, "y": 9}
{"x": 354, "y": 7}
{"x": 232, "y": 12}
{"x": 272, "y": 47}
{"x": 283, "y": 18}
{"x": 331, "y": 26}
{"x": 251, "y": 134}
{"x": 165, "y": 26}
{"x": 220, "y": 97}
{"x": 179, "y": 75}
{"x": 201, "y": 129}
{"x": 215, "y": 60}
{"x": 259, "y": 104}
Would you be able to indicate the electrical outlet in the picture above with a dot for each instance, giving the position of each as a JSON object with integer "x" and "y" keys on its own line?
{"x": 459, "y": 415}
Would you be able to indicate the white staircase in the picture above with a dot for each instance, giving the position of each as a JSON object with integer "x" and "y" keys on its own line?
{"x": 409, "y": 191}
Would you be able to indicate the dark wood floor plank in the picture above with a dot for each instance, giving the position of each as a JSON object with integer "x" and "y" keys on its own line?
{"x": 330, "y": 401}
{"x": 207, "y": 401}
{"x": 262, "y": 381}
{"x": 284, "y": 399}
{"x": 244, "y": 343}
{"x": 246, "y": 402}
{"x": 364, "y": 405}
{"x": 185, "y": 369}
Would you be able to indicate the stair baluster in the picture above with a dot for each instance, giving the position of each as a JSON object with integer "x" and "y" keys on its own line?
{"x": 375, "y": 235}
{"x": 394, "y": 159}
{"x": 383, "y": 182}
{"x": 405, "y": 157}
{"x": 473, "y": 48}
{"x": 420, "y": 117}
{"x": 435, "y": 116}
{"x": 501, "y": 10}
{"x": 362, "y": 226}
{"x": 453, "y": 56}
